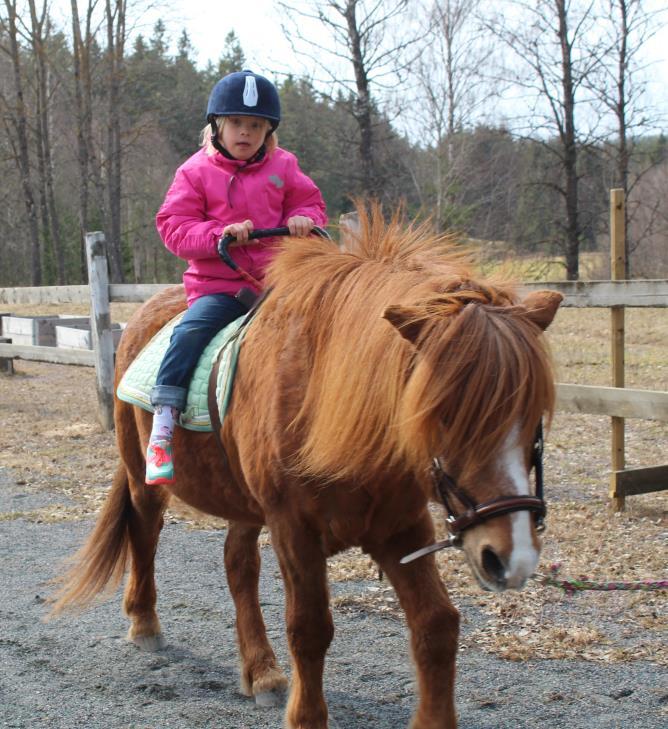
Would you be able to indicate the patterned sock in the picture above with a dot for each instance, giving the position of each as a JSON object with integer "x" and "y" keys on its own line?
{"x": 163, "y": 423}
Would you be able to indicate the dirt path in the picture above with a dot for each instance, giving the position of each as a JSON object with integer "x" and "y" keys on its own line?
{"x": 594, "y": 662}
{"x": 80, "y": 672}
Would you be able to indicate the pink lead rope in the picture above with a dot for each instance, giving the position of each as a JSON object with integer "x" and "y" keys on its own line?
{"x": 571, "y": 585}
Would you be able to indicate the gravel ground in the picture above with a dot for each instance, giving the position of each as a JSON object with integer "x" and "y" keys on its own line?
{"x": 80, "y": 672}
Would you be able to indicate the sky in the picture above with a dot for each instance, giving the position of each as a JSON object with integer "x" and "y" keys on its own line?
{"x": 259, "y": 31}
{"x": 257, "y": 24}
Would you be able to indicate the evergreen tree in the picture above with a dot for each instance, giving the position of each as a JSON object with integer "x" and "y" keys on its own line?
{"x": 233, "y": 58}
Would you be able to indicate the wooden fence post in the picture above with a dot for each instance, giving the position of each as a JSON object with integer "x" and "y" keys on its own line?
{"x": 617, "y": 271}
{"x": 100, "y": 326}
{"x": 349, "y": 227}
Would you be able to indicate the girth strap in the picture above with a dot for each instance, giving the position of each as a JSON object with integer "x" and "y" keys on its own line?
{"x": 216, "y": 423}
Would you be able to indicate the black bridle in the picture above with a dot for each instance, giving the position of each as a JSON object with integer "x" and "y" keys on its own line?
{"x": 474, "y": 513}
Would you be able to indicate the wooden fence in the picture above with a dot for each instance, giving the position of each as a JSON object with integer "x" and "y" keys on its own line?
{"x": 617, "y": 402}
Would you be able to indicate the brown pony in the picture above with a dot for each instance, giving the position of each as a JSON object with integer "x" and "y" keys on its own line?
{"x": 359, "y": 369}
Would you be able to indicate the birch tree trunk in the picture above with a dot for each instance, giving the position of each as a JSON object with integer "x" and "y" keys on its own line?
{"x": 18, "y": 124}
{"x": 51, "y": 224}
{"x": 81, "y": 65}
{"x": 115, "y": 15}
{"x": 569, "y": 143}
{"x": 362, "y": 107}
{"x": 92, "y": 183}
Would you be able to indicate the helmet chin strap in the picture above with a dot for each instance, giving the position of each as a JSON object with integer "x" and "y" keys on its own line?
{"x": 216, "y": 142}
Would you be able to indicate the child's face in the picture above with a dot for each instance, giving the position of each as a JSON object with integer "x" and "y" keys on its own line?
{"x": 242, "y": 136}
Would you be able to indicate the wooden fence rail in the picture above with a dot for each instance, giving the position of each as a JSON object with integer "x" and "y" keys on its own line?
{"x": 588, "y": 399}
{"x": 579, "y": 294}
{"x": 616, "y": 402}
{"x": 596, "y": 294}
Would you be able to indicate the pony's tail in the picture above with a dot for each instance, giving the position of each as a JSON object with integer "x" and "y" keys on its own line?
{"x": 100, "y": 564}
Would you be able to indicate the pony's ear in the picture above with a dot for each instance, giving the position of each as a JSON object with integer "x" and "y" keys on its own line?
{"x": 542, "y": 306}
{"x": 407, "y": 320}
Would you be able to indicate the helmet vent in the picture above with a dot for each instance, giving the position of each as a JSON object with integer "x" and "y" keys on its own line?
{"x": 250, "y": 92}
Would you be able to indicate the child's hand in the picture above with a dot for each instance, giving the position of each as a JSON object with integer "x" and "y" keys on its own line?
{"x": 240, "y": 231}
{"x": 300, "y": 225}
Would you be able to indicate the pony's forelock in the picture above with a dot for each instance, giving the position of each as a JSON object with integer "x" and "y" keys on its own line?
{"x": 485, "y": 373}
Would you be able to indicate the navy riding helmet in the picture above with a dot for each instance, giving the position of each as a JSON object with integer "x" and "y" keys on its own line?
{"x": 244, "y": 93}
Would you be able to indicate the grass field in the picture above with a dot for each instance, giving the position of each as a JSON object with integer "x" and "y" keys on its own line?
{"x": 593, "y": 266}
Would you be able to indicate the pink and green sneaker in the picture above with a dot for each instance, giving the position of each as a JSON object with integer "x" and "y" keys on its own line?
{"x": 159, "y": 463}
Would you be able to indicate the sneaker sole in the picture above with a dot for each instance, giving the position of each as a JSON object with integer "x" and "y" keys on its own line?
{"x": 160, "y": 481}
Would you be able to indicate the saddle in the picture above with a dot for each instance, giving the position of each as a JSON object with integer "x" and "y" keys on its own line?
{"x": 137, "y": 382}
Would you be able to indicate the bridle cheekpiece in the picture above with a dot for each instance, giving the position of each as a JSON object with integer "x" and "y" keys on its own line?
{"x": 473, "y": 514}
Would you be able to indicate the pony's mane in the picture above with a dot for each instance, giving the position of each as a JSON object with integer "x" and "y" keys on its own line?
{"x": 370, "y": 400}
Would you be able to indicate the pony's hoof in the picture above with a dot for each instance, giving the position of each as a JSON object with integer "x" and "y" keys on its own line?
{"x": 267, "y": 699}
{"x": 149, "y": 643}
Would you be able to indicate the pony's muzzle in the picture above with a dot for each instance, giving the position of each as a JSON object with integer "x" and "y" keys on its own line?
{"x": 497, "y": 572}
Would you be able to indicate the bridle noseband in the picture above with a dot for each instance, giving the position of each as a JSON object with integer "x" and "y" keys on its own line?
{"x": 474, "y": 513}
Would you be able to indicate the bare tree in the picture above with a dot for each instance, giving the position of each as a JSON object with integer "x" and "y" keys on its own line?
{"x": 651, "y": 222}
{"x": 555, "y": 52}
{"x": 83, "y": 41}
{"x": 451, "y": 91}
{"x": 15, "y": 121}
{"x": 363, "y": 35}
{"x": 626, "y": 27}
{"x": 115, "y": 14}
{"x": 39, "y": 33}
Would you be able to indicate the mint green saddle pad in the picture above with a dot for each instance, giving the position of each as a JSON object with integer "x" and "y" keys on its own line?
{"x": 137, "y": 382}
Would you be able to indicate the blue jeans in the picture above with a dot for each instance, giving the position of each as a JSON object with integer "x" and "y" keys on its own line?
{"x": 201, "y": 322}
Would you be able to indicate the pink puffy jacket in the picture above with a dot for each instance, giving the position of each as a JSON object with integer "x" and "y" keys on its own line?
{"x": 210, "y": 192}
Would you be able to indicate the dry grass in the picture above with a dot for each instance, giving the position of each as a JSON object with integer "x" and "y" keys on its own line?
{"x": 502, "y": 259}
{"x": 50, "y": 439}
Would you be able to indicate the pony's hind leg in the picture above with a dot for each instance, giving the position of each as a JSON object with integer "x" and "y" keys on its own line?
{"x": 144, "y": 524}
{"x": 433, "y": 622}
{"x": 261, "y": 676}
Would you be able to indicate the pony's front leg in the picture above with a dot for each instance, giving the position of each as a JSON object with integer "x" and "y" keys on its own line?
{"x": 308, "y": 620}
{"x": 261, "y": 676}
{"x": 433, "y": 622}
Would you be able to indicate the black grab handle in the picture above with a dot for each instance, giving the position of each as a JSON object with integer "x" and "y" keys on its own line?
{"x": 226, "y": 240}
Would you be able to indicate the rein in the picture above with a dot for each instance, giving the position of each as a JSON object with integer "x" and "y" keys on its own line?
{"x": 475, "y": 513}
{"x": 225, "y": 241}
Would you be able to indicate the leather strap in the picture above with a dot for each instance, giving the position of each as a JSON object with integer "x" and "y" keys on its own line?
{"x": 213, "y": 408}
{"x": 447, "y": 489}
{"x": 497, "y": 507}
{"x": 212, "y": 402}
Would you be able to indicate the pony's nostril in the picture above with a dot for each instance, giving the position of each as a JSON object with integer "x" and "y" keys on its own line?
{"x": 492, "y": 565}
